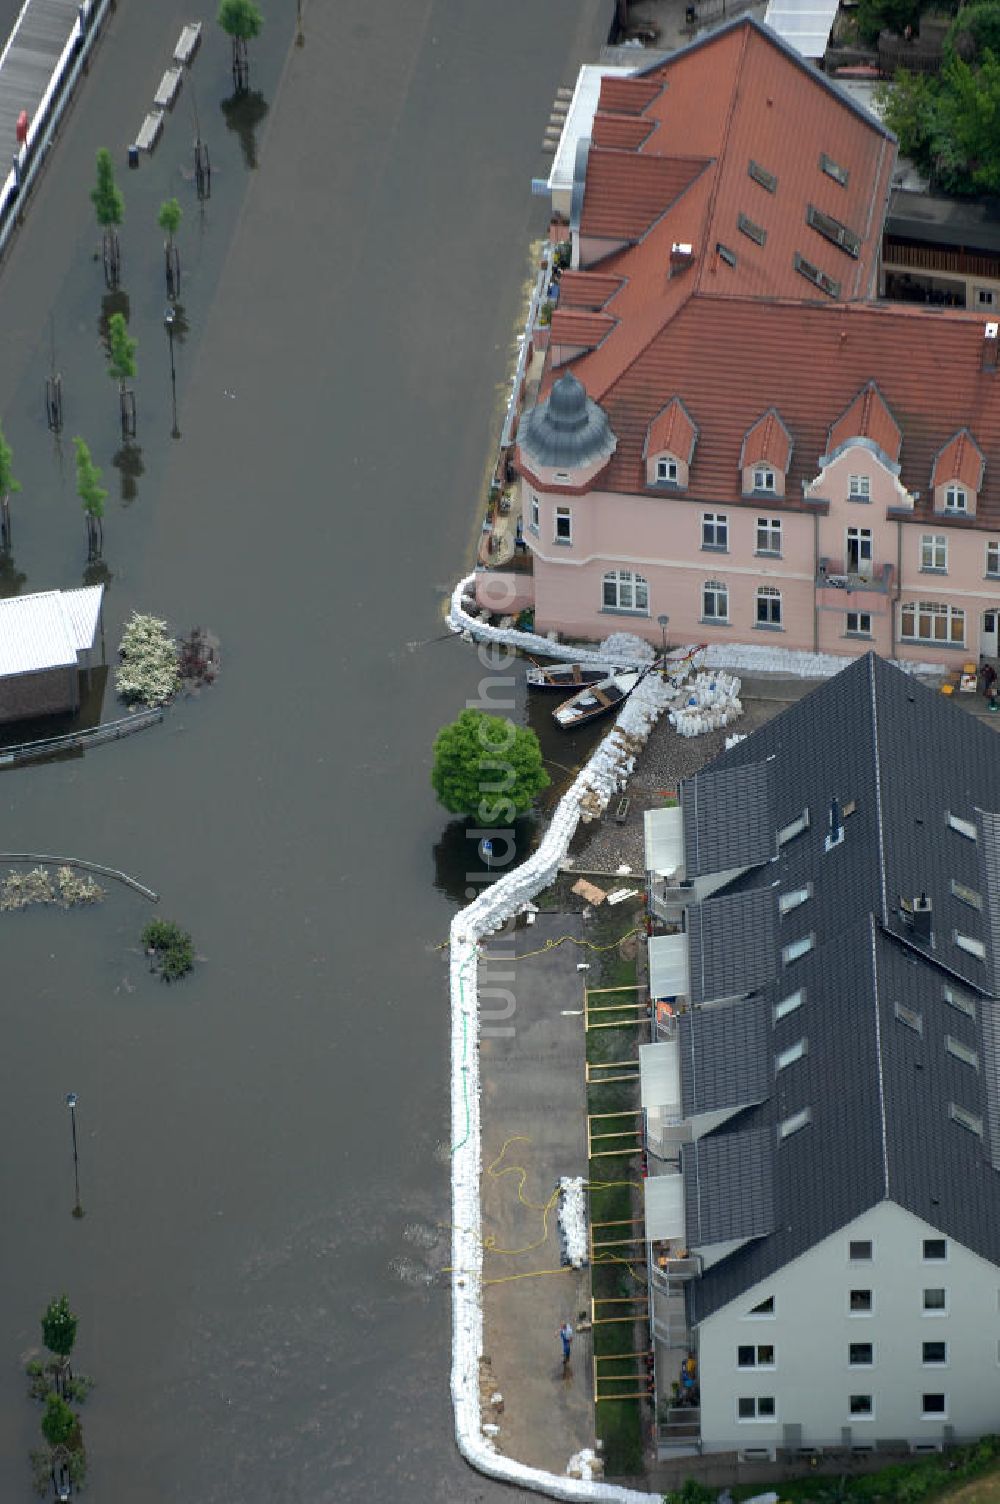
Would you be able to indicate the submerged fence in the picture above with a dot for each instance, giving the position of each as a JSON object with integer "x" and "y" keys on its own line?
{"x": 90, "y": 736}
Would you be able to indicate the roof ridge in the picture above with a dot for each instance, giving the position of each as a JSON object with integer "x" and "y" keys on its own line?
{"x": 723, "y": 149}
{"x": 878, "y": 1052}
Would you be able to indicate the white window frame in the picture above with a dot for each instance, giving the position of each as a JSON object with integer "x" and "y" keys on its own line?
{"x": 758, "y": 1363}
{"x": 961, "y": 1051}
{"x": 789, "y": 1004}
{"x": 934, "y": 1362}
{"x": 787, "y": 1057}
{"x": 667, "y": 470}
{"x": 956, "y": 998}
{"x": 970, "y": 944}
{"x": 993, "y": 556}
{"x": 763, "y": 478}
{"x": 853, "y": 1363}
{"x": 793, "y": 1124}
{"x": 859, "y": 488}
{"x": 859, "y": 1290}
{"x": 970, "y": 1121}
{"x": 715, "y": 531}
{"x": 630, "y": 588}
{"x": 796, "y": 949}
{"x": 769, "y": 536}
{"x": 933, "y": 553}
{"x": 563, "y": 515}
{"x": 956, "y": 498}
{"x": 756, "y": 1419}
{"x": 984, "y": 297}
{"x": 716, "y": 588}
{"x": 934, "y": 1312}
{"x": 767, "y": 606}
{"x": 861, "y": 1258}
{"x": 862, "y": 624}
{"x": 792, "y": 899}
{"x": 950, "y": 618}
{"x": 966, "y": 895}
{"x": 927, "y": 1258}
{"x": 857, "y": 1416}
{"x": 794, "y": 828}
{"x": 755, "y": 1315}
{"x": 926, "y": 1414}
{"x": 534, "y": 513}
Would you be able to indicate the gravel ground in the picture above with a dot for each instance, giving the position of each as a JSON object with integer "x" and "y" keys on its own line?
{"x": 666, "y": 759}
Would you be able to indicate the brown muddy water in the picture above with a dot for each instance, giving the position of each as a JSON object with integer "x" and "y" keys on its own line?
{"x": 263, "y": 1148}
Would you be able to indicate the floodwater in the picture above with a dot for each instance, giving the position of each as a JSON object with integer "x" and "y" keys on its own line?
{"x": 263, "y": 1148}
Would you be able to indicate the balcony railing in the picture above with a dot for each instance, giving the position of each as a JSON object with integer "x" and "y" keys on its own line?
{"x": 878, "y": 579}
{"x": 674, "y": 1269}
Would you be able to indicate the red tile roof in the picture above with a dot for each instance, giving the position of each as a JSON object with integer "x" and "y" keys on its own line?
{"x": 767, "y": 441}
{"x": 586, "y": 289}
{"x": 961, "y": 459}
{"x": 867, "y": 418}
{"x": 626, "y": 192}
{"x": 628, "y": 131}
{"x": 672, "y": 431}
{"x": 577, "y": 326}
{"x": 628, "y": 96}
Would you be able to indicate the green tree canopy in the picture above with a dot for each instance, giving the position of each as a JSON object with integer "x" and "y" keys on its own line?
{"x": 121, "y": 358}
{"x": 59, "y": 1327}
{"x": 240, "y": 19}
{"x": 88, "y": 482}
{"x": 975, "y": 30}
{"x": 169, "y": 217}
{"x": 106, "y": 197}
{"x": 487, "y": 767}
{"x": 58, "y": 1421}
{"x": 888, "y": 15}
{"x": 950, "y": 125}
{"x": 8, "y": 485}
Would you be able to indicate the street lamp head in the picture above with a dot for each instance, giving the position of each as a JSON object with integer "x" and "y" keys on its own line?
{"x": 169, "y": 317}
{"x": 71, "y": 1100}
{"x": 663, "y": 621}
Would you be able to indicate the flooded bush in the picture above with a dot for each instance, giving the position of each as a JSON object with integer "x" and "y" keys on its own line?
{"x": 169, "y": 948}
{"x": 20, "y": 889}
{"x": 148, "y": 673}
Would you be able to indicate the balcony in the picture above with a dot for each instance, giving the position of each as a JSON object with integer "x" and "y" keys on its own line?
{"x": 833, "y": 582}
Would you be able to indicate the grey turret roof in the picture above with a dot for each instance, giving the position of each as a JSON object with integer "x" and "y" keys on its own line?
{"x": 568, "y": 430}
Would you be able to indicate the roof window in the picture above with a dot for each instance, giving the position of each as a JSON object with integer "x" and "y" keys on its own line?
{"x": 966, "y": 895}
{"x": 970, "y": 945}
{"x": 960, "y": 1000}
{"x": 910, "y": 1017}
{"x": 961, "y": 1051}
{"x": 832, "y": 230}
{"x": 794, "y": 828}
{"x": 963, "y": 827}
{"x": 762, "y": 176}
{"x": 789, "y": 901}
{"x": 725, "y": 254}
{"x": 815, "y": 276}
{"x": 751, "y": 229}
{"x": 789, "y": 1004}
{"x": 833, "y": 169}
{"x": 965, "y": 1119}
{"x": 794, "y": 1123}
{"x": 797, "y": 948}
{"x": 794, "y": 1052}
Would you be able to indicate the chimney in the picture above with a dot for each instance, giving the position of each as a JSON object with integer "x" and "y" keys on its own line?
{"x": 921, "y": 918}
{"x": 681, "y": 257}
{"x": 991, "y": 341}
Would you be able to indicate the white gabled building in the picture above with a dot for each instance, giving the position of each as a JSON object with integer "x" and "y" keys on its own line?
{"x": 45, "y": 641}
{"x": 822, "y": 1098}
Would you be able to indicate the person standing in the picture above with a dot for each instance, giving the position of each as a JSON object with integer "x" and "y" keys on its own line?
{"x": 566, "y": 1337}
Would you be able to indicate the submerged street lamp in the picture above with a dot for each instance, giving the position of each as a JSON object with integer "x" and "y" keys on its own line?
{"x": 663, "y": 622}
{"x": 169, "y": 321}
{"x": 71, "y": 1104}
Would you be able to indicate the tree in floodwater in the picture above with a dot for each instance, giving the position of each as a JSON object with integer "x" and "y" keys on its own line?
{"x": 169, "y": 219}
{"x": 92, "y": 496}
{"x": 109, "y": 206}
{"x": 59, "y": 1422}
{"x": 121, "y": 368}
{"x": 8, "y": 485}
{"x": 241, "y": 20}
{"x": 486, "y": 767}
{"x": 59, "y": 1335}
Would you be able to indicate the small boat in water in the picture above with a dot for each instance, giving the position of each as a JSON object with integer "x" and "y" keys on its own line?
{"x": 595, "y": 700}
{"x": 567, "y": 676}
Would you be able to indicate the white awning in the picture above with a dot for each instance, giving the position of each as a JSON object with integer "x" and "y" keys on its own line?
{"x": 660, "y": 1076}
{"x": 664, "y": 1197}
{"x": 668, "y": 966}
{"x": 664, "y": 841}
{"x": 803, "y": 24}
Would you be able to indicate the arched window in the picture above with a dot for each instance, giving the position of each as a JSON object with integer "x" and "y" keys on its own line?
{"x": 768, "y": 606}
{"x": 625, "y": 591}
{"x": 715, "y": 601}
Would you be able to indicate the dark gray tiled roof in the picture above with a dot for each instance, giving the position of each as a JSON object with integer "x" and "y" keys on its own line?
{"x": 731, "y": 945}
{"x": 728, "y": 819}
{"x": 568, "y": 428}
{"x": 728, "y": 1187}
{"x": 896, "y": 1078}
{"x": 726, "y": 1056}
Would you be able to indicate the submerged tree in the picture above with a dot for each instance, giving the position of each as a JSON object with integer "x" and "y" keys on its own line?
{"x": 59, "y": 1422}
{"x": 241, "y": 20}
{"x": 121, "y": 368}
{"x": 169, "y": 219}
{"x": 109, "y": 206}
{"x": 92, "y": 495}
{"x": 485, "y": 766}
{"x": 8, "y": 485}
{"x": 59, "y": 1335}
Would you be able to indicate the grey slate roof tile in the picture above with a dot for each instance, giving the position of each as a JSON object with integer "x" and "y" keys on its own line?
{"x": 731, "y": 944}
{"x": 728, "y": 819}
{"x": 728, "y": 1186}
{"x": 726, "y": 1056}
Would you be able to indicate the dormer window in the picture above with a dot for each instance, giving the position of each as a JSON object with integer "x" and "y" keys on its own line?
{"x": 666, "y": 470}
{"x": 763, "y": 479}
{"x": 956, "y": 499}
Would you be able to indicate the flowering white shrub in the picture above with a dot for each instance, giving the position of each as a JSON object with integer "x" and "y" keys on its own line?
{"x": 148, "y": 672}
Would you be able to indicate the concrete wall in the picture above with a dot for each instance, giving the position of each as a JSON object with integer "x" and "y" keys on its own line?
{"x": 23, "y": 696}
{"x": 812, "y": 1380}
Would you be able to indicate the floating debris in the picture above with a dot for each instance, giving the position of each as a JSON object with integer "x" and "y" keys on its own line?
{"x": 200, "y": 659}
{"x": 19, "y": 890}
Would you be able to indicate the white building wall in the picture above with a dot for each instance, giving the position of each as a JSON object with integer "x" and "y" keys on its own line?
{"x": 812, "y": 1329}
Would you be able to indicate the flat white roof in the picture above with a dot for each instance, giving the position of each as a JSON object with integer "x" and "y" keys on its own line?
{"x": 660, "y": 1075}
{"x": 668, "y": 966}
{"x": 580, "y": 118}
{"x": 664, "y": 831}
{"x": 664, "y": 1198}
{"x": 47, "y": 630}
{"x": 803, "y": 24}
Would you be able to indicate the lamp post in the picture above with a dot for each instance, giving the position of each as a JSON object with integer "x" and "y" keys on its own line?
{"x": 71, "y": 1104}
{"x": 663, "y": 622}
{"x": 169, "y": 321}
